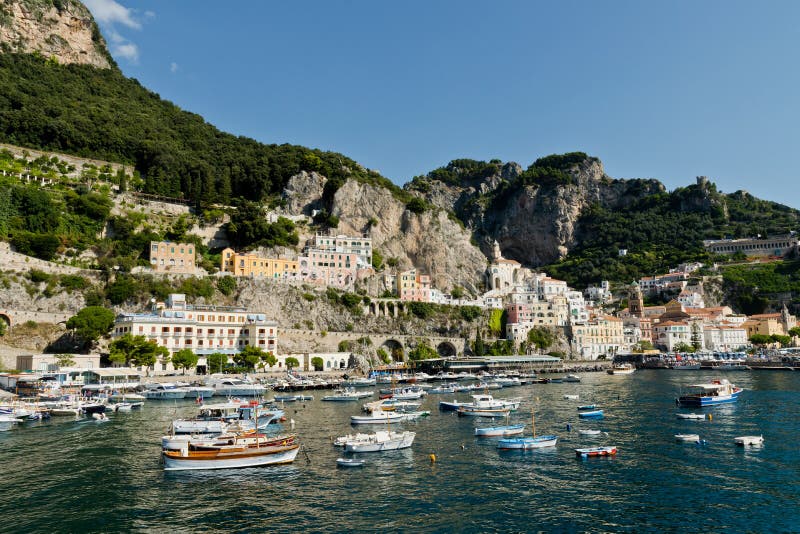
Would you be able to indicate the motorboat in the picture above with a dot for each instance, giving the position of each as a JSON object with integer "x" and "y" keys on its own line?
{"x": 198, "y": 392}
{"x": 690, "y": 416}
{"x": 621, "y": 369}
{"x": 382, "y": 440}
{"x": 346, "y": 395}
{"x": 499, "y": 431}
{"x": 378, "y": 417}
{"x": 687, "y": 437}
{"x": 7, "y": 422}
{"x": 446, "y": 406}
{"x": 228, "y": 386}
{"x": 228, "y": 457}
{"x": 359, "y": 382}
{"x": 483, "y": 412}
{"x": 596, "y": 451}
{"x": 349, "y": 462}
{"x": 163, "y": 391}
{"x": 709, "y": 394}
{"x": 341, "y": 440}
{"x": 215, "y": 418}
{"x": 749, "y": 441}
{"x": 229, "y": 439}
{"x": 572, "y": 378}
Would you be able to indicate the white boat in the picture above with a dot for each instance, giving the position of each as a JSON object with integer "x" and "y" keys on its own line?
{"x": 216, "y": 418}
{"x": 359, "y": 382}
{"x": 709, "y": 394}
{"x": 482, "y": 412}
{"x": 499, "y": 431}
{"x": 746, "y": 441}
{"x": 165, "y": 391}
{"x": 346, "y": 395}
{"x": 199, "y": 392}
{"x": 687, "y": 437}
{"x": 7, "y": 422}
{"x": 589, "y": 432}
{"x": 533, "y": 442}
{"x": 227, "y": 386}
{"x": 382, "y": 440}
{"x": 572, "y": 378}
{"x": 349, "y": 462}
{"x": 341, "y": 440}
{"x": 690, "y": 416}
{"x": 378, "y": 417}
{"x": 621, "y": 369}
{"x": 571, "y": 397}
{"x": 596, "y": 451}
{"x": 228, "y": 458}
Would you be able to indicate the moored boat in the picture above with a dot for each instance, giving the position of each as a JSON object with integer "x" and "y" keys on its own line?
{"x": 377, "y": 417}
{"x": 687, "y": 437}
{"x": 346, "y": 395}
{"x": 745, "y": 441}
{"x": 572, "y": 378}
{"x": 349, "y": 462}
{"x": 596, "y": 451}
{"x": 499, "y": 431}
{"x": 571, "y": 397}
{"x": 596, "y": 414}
{"x": 382, "y": 440}
{"x": 690, "y": 416}
{"x": 165, "y": 391}
{"x": 709, "y": 394}
{"x": 7, "y": 422}
{"x": 621, "y": 369}
{"x": 229, "y": 458}
{"x": 537, "y": 442}
{"x": 589, "y": 432}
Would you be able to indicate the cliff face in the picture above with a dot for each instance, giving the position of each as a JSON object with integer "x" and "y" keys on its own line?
{"x": 535, "y": 224}
{"x": 64, "y": 30}
{"x": 431, "y": 241}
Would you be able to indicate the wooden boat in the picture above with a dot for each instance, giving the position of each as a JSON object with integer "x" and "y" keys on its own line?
{"x": 621, "y": 369}
{"x": 495, "y": 431}
{"x": 596, "y": 414}
{"x": 228, "y": 458}
{"x": 241, "y": 439}
{"x": 596, "y": 451}
{"x": 687, "y": 437}
{"x": 690, "y": 416}
{"x": 533, "y": 442}
{"x": 710, "y": 394}
{"x": 745, "y": 441}
{"x": 349, "y": 462}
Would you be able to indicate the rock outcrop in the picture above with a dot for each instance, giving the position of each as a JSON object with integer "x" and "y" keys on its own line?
{"x": 67, "y": 33}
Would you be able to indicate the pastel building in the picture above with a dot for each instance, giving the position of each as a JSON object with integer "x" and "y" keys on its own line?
{"x": 336, "y": 260}
{"x": 203, "y": 329}
{"x": 254, "y": 266}
{"x": 166, "y": 256}
{"x": 414, "y": 286}
{"x": 724, "y": 337}
{"x": 502, "y": 273}
{"x": 602, "y": 335}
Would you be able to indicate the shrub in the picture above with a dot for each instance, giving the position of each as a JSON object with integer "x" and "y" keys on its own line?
{"x": 318, "y": 363}
{"x": 469, "y": 313}
{"x": 423, "y": 310}
{"x": 416, "y": 205}
{"x": 73, "y": 282}
{"x": 226, "y": 285}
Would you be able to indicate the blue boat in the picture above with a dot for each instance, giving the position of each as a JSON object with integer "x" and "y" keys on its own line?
{"x": 710, "y": 394}
{"x": 587, "y": 407}
{"x": 593, "y": 414}
{"x": 450, "y": 406}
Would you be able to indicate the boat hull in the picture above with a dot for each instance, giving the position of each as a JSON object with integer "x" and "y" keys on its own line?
{"x": 594, "y": 414}
{"x": 499, "y": 431}
{"x": 596, "y": 451}
{"x": 371, "y": 420}
{"x": 174, "y": 461}
{"x": 377, "y": 446}
{"x": 483, "y": 412}
{"x": 527, "y": 443}
{"x": 696, "y": 400}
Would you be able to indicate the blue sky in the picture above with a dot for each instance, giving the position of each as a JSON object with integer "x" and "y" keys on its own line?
{"x": 667, "y": 90}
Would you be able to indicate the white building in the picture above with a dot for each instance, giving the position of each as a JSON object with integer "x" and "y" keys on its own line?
{"x": 669, "y": 334}
{"x": 203, "y": 329}
{"x": 601, "y": 293}
{"x": 724, "y": 337}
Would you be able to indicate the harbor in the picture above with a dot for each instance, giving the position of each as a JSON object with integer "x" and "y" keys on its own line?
{"x": 88, "y": 475}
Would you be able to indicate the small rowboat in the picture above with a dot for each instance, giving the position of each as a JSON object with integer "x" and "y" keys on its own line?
{"x": 690, "y": 416}
{"x": 537, "y": 442}
{"x": 596, "y": 451}
{"x": 587, "y": 407}
{"x": 349, "y": 462}
{"x": 494, "y": 431}
{"x": 571, "y": 397}
{"x": 595, "y": 414}
{"x": 744, "y": 441}
{"x": 590, "y": 432}
{"x": 687, "y": 437}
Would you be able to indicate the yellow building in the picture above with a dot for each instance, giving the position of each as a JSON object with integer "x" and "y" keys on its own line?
{"x": 602, "y": 336}
{"x": 166, "y": 256}
{"x": 255, "y": 266}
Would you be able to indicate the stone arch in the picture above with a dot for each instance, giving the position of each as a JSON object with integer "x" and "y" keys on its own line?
{"x": 395, "y": 350}
{"x": 5, "y": 318}
{"x": 445, "y": 348}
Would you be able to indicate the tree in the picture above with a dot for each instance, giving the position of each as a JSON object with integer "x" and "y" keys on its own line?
{"x": 249, "y": 357}
{"x": 683, "y": 347}
{"x": 377, "y": 260}
{"x": 541, "y": 337}
{"x": 785, "y": 341}
{"x": 794, "y": 332}
{"x": 226, "y": 285}
{"x": 383, "y": 355}
{"x": 457, "y": 292}
{"x": 216, "y": 362}
{"x": 643, "y": 345}
{"x": 185, "y": 359}
{"x": 318, "y": 363}
{"x": 269, "y": 359}
{"x": 760, "y": 339}
{"x": 135, "y": 351}
{"x": 478, "y": 348}
{"x": 64, "y": 360}
{"x": 422, "y": 351}
{"x": 292, "y": 362}
{"x": 91, "y": 323}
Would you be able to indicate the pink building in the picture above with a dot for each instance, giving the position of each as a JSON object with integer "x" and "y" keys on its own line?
{"x": 414, "y": 285}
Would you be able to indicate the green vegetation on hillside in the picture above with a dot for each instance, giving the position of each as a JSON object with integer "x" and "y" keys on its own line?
{"x": 749, "y": 287}
{"x": 100, "y": 113}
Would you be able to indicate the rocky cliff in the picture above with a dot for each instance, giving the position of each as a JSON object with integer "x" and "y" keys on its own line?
{"x": 535, "y": 219}
{"x": 432, "y": 241}
{"x": 59, "y": 29}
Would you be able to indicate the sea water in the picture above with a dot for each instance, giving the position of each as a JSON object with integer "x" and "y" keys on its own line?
{"x": 79, "y": 475}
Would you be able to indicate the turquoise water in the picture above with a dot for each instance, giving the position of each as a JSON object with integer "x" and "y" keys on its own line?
{"x": 68, "y": 476}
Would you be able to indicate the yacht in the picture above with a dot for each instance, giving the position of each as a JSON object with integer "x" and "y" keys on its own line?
{"x": 234, "y": 387}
